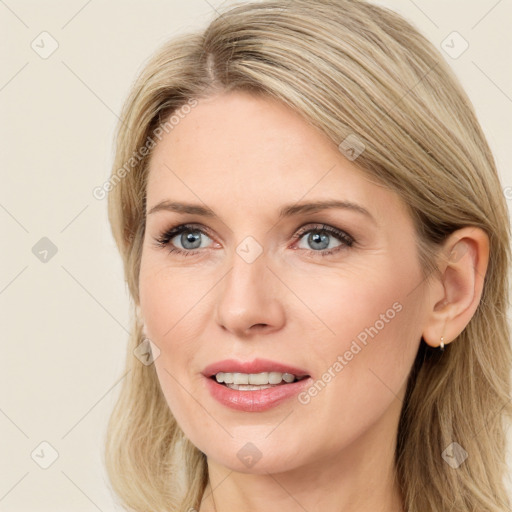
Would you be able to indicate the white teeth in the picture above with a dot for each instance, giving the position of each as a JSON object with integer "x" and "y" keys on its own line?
{"x": 274, "y": 377}
{"x": 258, "y": 379}
{"x": 240, "y": 378}
{"x": 254, "y": 379}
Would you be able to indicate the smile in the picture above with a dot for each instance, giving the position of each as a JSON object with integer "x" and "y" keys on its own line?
{"x": 254, "y": 390}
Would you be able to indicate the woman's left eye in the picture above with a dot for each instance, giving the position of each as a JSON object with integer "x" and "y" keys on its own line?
{"x": 319, "y": 237}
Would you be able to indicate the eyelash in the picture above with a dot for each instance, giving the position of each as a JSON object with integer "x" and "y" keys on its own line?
{"x": 346, "y": 239}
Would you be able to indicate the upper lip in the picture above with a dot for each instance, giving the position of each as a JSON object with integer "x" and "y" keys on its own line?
{"x": 255, "y": 366}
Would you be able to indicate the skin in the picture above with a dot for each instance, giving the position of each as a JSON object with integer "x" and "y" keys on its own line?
{"x": 245, "y": 157}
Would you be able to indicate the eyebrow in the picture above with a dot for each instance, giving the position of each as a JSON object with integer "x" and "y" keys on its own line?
{"x": 284, "y": 212}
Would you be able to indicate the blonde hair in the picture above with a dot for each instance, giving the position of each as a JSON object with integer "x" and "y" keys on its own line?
{"x": 350, "y": 69}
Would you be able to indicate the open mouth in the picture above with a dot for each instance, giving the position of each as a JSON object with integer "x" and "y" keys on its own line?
{"x": 255, "y": 381}
{"x": 247, "y": 388}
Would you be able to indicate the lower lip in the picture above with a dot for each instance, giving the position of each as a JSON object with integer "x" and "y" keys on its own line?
{"x": 257, "y": 400}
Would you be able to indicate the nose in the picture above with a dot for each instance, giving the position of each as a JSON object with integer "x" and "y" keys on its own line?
{"x": 250, "y": 299}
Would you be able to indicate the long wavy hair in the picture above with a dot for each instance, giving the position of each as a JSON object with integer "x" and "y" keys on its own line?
{"x": 349, "y": 68}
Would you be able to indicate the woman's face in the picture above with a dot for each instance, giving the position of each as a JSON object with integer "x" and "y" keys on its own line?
{"x": 344, "y": 306}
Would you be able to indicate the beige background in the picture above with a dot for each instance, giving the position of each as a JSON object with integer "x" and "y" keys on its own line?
{"x": 64, "y": 321}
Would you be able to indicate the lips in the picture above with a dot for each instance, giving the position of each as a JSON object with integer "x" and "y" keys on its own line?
{"x": 255, "y": 366}
{"x": 254, "y": 400}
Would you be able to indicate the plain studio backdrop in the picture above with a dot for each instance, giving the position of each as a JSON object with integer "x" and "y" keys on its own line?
{"x": 66, "y": 70}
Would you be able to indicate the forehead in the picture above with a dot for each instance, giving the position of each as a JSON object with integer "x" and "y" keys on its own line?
{"x": 255, "y": 152}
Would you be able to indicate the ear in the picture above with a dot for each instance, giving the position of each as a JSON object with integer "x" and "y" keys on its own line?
{"x": 454, "y": 299}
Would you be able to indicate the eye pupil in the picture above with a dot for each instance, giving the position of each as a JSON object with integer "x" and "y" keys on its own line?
{"x": 319, "y": 238}
{"x": 191, "y": 237}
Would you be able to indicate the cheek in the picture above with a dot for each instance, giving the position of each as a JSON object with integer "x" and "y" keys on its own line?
{"x": 173, "y": 307}
{"x": 366, "y": 354}
{"x": 169, "y": 298}
{"x": 164, "y": 307}
{"x": 370, "y": 372}
{"x": 355, "y": 305}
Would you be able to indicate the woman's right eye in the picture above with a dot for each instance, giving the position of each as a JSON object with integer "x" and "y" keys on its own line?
{"x": 189, "y": 236}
